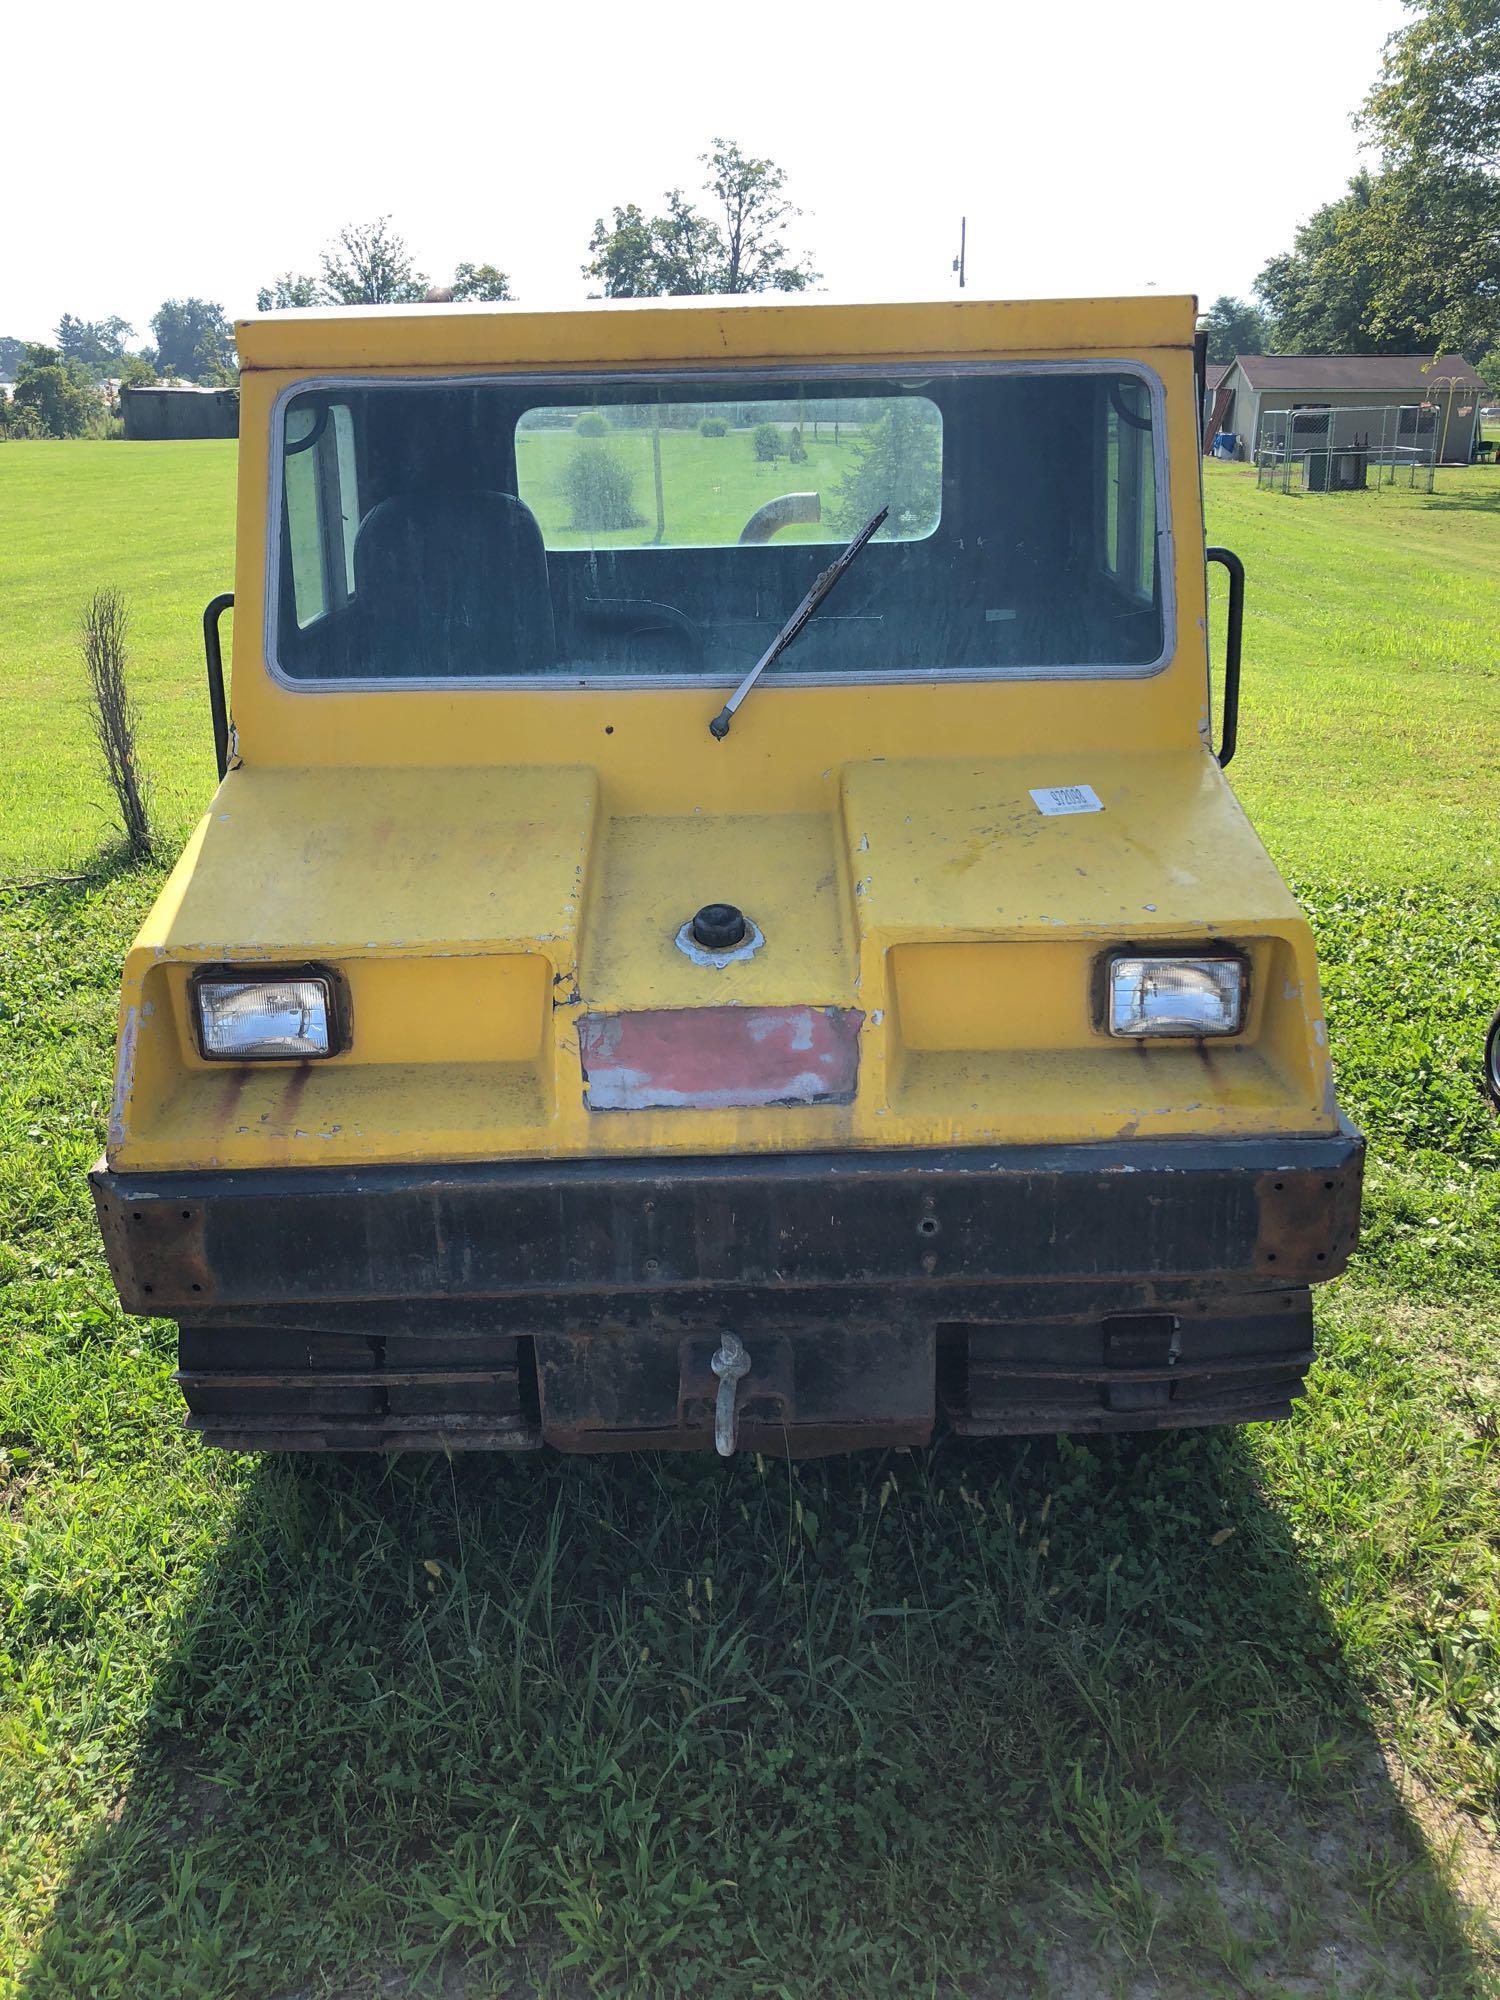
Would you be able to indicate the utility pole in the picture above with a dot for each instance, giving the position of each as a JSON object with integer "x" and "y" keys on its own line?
{"x": 963, "y": 244}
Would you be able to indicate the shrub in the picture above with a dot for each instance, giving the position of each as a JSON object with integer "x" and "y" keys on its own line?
{"x": 102, "y": 638}
{"x": 768, "y": 443}
{"x": 56, "y": 397}
{"x": 17, "y": 421}
{"x": 600, "y": 489}
{"x": 592, "y": 424}
{"x": 713, "y": 427}
{"x": 796, "y": 450}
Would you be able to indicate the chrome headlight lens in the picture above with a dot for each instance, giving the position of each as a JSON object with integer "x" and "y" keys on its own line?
{"x": 1176, "y": 996}
{"x": 287, "y": 1017}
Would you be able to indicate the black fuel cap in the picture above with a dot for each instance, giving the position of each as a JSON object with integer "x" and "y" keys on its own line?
{"x": 719, "y": 927}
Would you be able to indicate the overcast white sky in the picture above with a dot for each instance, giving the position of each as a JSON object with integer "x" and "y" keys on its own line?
{"x": 1096, "y": 145}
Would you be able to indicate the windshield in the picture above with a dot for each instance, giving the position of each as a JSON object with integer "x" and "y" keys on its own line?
{"x": 495, "y": 530}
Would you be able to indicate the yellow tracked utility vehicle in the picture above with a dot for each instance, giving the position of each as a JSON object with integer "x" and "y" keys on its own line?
{"x": 723, "y": 921}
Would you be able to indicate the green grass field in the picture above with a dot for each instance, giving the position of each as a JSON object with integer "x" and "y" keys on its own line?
{"x": 1215, "y": 1717}
{"x": 157, "y": 520}
{"x": 710, "y": 486}
{"x": 1372, "y": 675}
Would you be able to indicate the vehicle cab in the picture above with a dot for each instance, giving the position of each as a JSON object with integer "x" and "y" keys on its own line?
{"x": 556, "y": 1031}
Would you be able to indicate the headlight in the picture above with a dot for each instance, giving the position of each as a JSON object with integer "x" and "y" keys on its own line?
{"x": 288, "y": 1017}
{"x": 1176, "y": 996}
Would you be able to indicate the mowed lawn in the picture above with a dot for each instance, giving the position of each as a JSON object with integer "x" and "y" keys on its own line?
{"x": 1371, "y": 719}
{"x": 1372, "y": 658}
{"x": 710, "y": 486}
{"x": 1212, "y": 1716}
{"x": 157, "y": 521}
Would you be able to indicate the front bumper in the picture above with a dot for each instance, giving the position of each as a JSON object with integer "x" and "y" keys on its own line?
{"x": 1086, "y": 1287}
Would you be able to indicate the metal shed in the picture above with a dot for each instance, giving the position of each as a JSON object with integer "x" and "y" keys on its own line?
{"x": 180, "y": 410}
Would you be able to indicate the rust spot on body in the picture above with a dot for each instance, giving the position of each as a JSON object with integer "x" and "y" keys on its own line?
{"x": 230, "y": 1086}
{"x": 293, "y": 1091}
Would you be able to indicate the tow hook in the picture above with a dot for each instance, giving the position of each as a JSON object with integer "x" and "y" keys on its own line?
{"x": 730, "y": 1363}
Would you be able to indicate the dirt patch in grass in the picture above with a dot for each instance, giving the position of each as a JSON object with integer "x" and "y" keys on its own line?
{"x": 1271, "y": 1893}
{"x": 1468, "y": 1853}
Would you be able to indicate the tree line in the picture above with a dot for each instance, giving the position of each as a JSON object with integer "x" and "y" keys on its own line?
{"x": 731, "y": 237}
{"x": 1407, "y": 259}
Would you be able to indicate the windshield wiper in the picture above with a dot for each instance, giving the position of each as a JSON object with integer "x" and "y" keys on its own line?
{"x": 796, "y": 623}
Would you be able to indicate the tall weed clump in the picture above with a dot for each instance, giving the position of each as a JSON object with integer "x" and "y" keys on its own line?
{"x": 102, "y": 632}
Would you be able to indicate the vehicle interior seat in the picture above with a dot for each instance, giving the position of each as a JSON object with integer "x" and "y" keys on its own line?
{"x": 450, "y": 584}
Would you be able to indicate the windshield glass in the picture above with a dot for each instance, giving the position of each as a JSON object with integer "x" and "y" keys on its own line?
{"x": 493, "y": 530}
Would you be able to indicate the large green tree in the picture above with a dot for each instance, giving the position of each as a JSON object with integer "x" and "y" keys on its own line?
{"x": 1234, "y": 326}
{"x": 678, "y": 254}
{"x": 11, "y": 351}
{"x": 1436, "y": 102}
{"x": 193, "y": 339}
{"x": 689, "y": 251}
{"x": 98, "y": 343}
{"x": 623, "y": 255}
{"x": 369, "y": 264}
{"x": 1401, "y": 263}
{"x": 897, "y": 464}
{"x": 1321, "y": 292}
{"x": 735, "y": 242}
{"x": 756, "y": 216}
{"x": 292, "y": 288}
{"x": 484, "y": 282}
{"x": 1435, "y": 113}
{"x": 54, "y": 396}
{"x": 1409, "y": 257}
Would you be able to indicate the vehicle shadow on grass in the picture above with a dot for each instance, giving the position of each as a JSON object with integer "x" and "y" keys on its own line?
{"x": 1000, "y": 1719}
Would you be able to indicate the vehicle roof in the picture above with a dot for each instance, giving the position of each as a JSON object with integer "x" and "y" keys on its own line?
{"x": 768, "y": 327}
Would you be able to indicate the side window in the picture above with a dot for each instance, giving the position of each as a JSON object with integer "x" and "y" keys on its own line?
{"x": 1144, "y": 580}
{"x": 348, "y": 488}
{"x": 1128, "y": 529}
{"x": 321, "y": 503}
{"x": 304, "y": 516}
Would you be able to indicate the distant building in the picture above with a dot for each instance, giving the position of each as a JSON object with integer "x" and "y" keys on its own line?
{"x": 1434, "y": 396}
{"x": 180, "y": 410}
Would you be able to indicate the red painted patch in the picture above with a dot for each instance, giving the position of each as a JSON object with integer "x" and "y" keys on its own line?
{"x": 720, "y": 1058}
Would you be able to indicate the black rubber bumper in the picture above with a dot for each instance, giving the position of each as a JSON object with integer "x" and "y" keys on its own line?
{"x": 1018, "y": 1288}
{"x": 543, "y": 1233}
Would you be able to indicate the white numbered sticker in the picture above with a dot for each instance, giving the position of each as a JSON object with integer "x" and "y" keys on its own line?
{"x": 1054, "y": 799}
